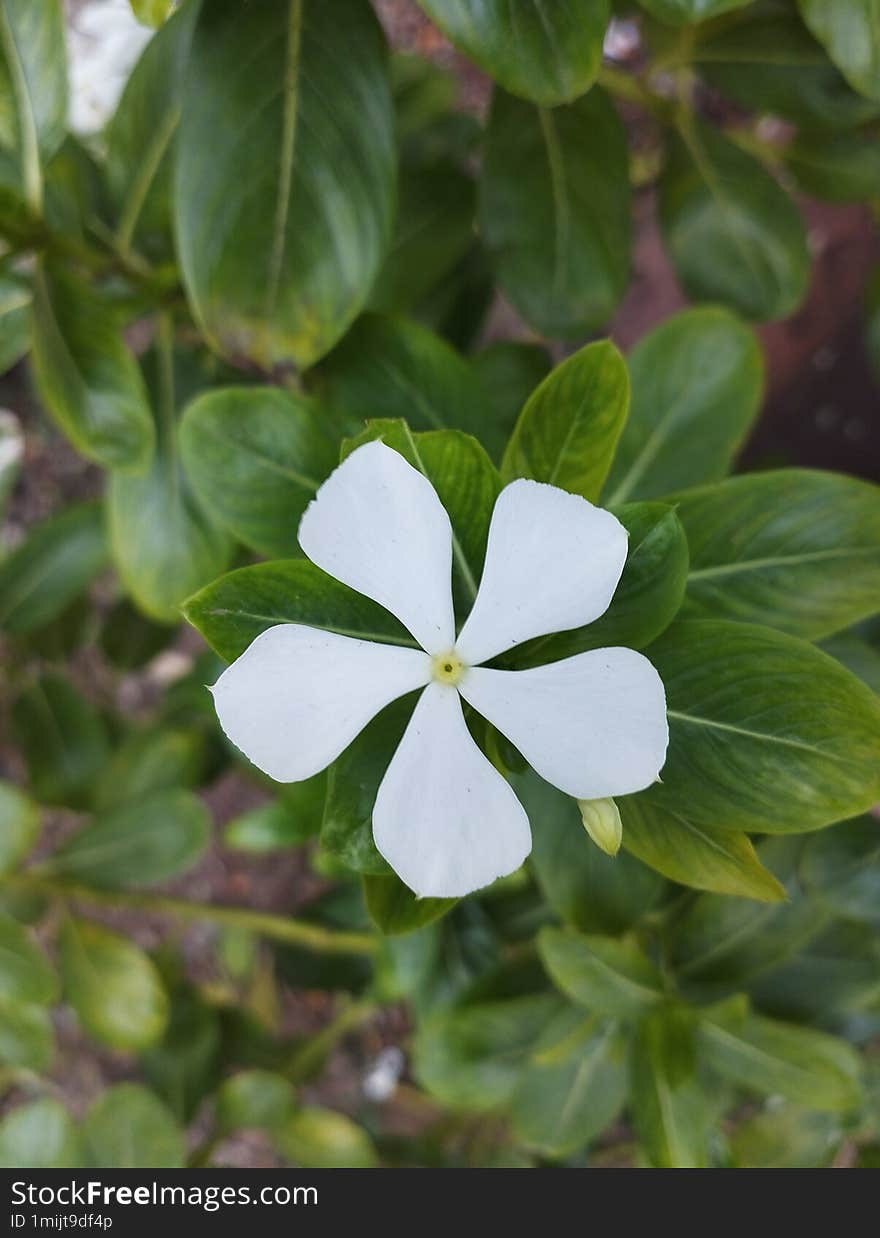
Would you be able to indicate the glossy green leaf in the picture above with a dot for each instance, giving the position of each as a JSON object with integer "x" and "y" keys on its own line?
{"x": 284, "y": 174}
{"x": 732, "y": 233}
{"x": 112, "y": 985}
{"x": 606, "y": 975}
{"x": 316, "y": 1138}
{"x": 149, "y": 838}
{"x": 684, "y": 12}
{"x": 51, "y": 568}
{"x": 841, "y": 869}
{"x": 645, "y": 601}
{"x": 471, "y": 1057}
{"x": 393, "y": 368}
{"x": 394, "y": 909}
{"x": 508, "y": 371}
{"x": 766, "y": 732}
{"x": 149, "y": 760}
{"x": 165, "y": 544}
{"x": 63, "y": 740}
{"x": 467, "y": 484}
{"x": 545, "y": 52}
{"x": 586, "y": 889}
{"x": 129, "y": 1128}
{"x": 701, "y": 856}
{"x": 27, "y": 1041}
{"x": 555, "y": 210}
{"x": 253, "y": 1100}
{"x": 87, "y": 379}
{"x": 850, "y": 32}
{"x": 573, "y": 1087}
{"x": 668, "y": 1102}
{"x": 255, "y": 457}
{"x": 25, "y": 973}
{"x": 697, "y": 382}
{"x": 234, "y": 610}
{"x": 567, "y": 433}
{"x": 807, "y": 1067}
{"x": 39, "y": 1135}
{"x": 795, "y": 550}
{"x": 19, "y": 826}
{"x": 140, "y": 136}
{"x": 15, "y": 320}
{"x": 843, "y": 167}
{"x": 768, "y": 61}
{"x": 33, "y": 84}
{"x": 857, "y": 655}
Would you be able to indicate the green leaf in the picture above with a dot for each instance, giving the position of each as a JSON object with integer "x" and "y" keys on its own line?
{"x": 388, "y": 368}
{"x": 732, "y": 233}
{"x": 840, "y": 167}
{"x": 129, "y": 1128}
{"x": 507, "y": 371}
{"x": 25, "y": 973}
{"x": 766, "y": 732}
{"x": 140, "y": 135}
{"x": 645, "y": 601}
{"x": 284, "y": 174}
{"x": 40, "y": 1135}
{"x": 27, "y": 1041}
{"x": 394, "y": 909}
{"x": 668, "y": 1102}
{"x": 150, "y": 760}
{"x": 51, "y": 568}
{"x": 139, "y": 843}
{"x": 837, "y": 975}
{"x": 434, "y": 230}
{"x": 807, "y": 1067}
{"x": 86, "y": 377}
{"x": 19, "y": 826}
{"x": 684, "y": 12}
{"x": 850, "y": 32}
{"x": 555, "y": 210}
{"x": 33, "y": 83}
{"x": 857, "y": 655}
{"x": 253, "y": 1100}
{"x": 112, "y": 985}
{"x": 466, "y": 482}
{"x": 608, "y": 976}
{"x": 317, "y": 1138}
{"x": 785, "y": 1137}
{"x": 574, "y": 1085}
{"x": 234, "y": 610}
{"x": 767, "y": 61}
{"x": 567, "y": 433}
{"x": 700, "y": 856}
{"x": 128, "y": 639}
{"x": 840, "y": 868}
{"x": 286, "y": 822}
{"x": 256, "y": 456}
{"x": 15, "y": 320}
{"x": 471, "y": 1057}
{"x": 182, "y": 1068}
{"x": 793, "y": 549}
{"x": 548, "y": 53}
{"x": 165, "y": 544}
{"x": 63, "y": 740}
{"x": 697, "y": 382}
{"x": 587, "y": 889}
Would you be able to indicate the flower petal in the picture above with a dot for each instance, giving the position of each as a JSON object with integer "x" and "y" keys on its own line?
{"x": 377, "y": 525}
{"x": 444, "y": 818}
{"x": 297, "y": 697}
{"x": 552, "y": 563}
{"x": 593, "y": 725}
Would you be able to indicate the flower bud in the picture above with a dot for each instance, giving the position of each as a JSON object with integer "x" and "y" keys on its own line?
{"x": 602, "y": 822}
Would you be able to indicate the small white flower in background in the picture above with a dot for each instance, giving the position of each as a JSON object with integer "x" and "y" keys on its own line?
{"x": 593, "y": 725}
{"x": 381, "y": 1080}
{"x": 103, "y": 42}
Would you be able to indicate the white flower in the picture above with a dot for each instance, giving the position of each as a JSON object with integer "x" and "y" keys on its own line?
{"x": 104, "y": 40}
{"x": 593, "y": 725}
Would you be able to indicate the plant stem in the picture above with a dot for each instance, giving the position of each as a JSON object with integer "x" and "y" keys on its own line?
{"x": 278, "y": 928}
{"x": 632, "y": 90}
{"x": 307, "y": 1059}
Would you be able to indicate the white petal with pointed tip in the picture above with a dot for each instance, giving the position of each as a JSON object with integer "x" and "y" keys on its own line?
{"x": 297, "y": 697}
{"x": 593, "y": 725}
{"x": 552, "y": 563}
{"x": 377, "y": 525}
{"x": 444, "y": 818}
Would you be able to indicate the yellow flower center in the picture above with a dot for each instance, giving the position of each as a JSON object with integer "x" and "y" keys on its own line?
{"x": 447, "y": 668}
